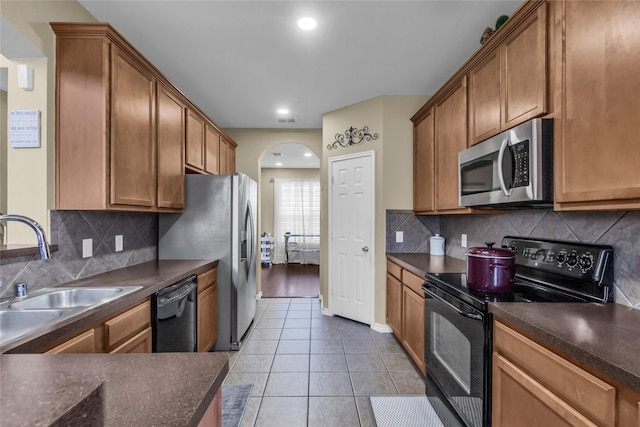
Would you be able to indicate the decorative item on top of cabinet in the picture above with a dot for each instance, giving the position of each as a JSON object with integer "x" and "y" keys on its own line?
{"x": 597, "y": 90}
{"x": 508, "y": 85}
{"x": 106, "y": 123}
{"x": 207, "y": 310}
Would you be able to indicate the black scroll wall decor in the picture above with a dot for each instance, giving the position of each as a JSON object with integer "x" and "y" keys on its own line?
{"x": 352, "y": 136}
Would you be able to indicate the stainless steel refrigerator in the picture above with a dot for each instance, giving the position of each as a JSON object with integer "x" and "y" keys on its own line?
{"x": 219, "y": 222}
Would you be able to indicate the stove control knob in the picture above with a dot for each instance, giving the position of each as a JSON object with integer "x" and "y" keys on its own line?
{"x": 562, "y": 257}
{"x": 586, "y": 262}
{"x": 572, "y": 260}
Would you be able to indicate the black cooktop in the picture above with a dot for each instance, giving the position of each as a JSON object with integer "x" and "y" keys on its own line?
{"x": 546, "y": 271}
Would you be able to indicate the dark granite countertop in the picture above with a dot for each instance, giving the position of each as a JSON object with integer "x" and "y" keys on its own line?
{"x": 421, "y": 264}
{"x": 604, "y": 337}
{"x": 152, "y": 276}
{"x": 133, "y": 389}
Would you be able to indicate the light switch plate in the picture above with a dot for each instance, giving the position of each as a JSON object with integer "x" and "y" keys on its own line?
{"x": 87, "y": 248}
{"x": 119, "y": 243}
{"x": 463, "y": 240}
{"x": 399, "y": 237}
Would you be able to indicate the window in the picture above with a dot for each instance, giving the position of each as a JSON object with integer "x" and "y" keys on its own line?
{"x": 297, "y": 211}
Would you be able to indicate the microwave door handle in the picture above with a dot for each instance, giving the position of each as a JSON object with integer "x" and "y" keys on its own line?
{"x": 503, "y": 149}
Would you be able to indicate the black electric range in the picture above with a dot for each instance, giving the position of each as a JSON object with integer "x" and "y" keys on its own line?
{"x": 458, "y": 325}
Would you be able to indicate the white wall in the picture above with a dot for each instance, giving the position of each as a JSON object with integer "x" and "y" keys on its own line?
{"x": 389, "y": 116}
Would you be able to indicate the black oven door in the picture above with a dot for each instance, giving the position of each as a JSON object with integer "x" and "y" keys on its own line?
{"x": 457, "y": 357}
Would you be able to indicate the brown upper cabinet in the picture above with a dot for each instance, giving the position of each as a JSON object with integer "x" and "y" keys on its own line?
{"x": 227, "y": 155}
{"x": 195, "y": 140}
{"x": 122, "y": 128}
{"x": 212, "y": 150}
{"x": 423, "y": 164}
{"x": 106, "y": 124}
{"x": 170, "y": 112}
{"x": 597, "y": 105}
{"x": 509, "y": 84}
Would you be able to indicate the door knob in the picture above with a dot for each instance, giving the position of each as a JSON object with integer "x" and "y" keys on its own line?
{"x": 365, "y": 249}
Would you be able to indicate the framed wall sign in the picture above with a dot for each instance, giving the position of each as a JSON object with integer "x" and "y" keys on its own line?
{"x": 24, "y": 128}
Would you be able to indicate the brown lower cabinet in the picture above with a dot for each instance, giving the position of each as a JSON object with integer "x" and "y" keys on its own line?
{"x": 405, "y": 311}
{"x": 129, "y": 331}
{"x": 534, "y": 386}
{"x": 207, "y": 310}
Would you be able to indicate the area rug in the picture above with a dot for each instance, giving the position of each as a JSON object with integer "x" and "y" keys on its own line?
{"x": 234, "y": 400}
{"x": 404, "y": 411}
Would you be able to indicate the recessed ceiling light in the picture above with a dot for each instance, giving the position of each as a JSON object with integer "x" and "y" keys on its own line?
{"x": 283, "y": 111}
{"x": 307, "y": 23}
{"x": 279, "y": 164}
{"x": 307, "y": 154}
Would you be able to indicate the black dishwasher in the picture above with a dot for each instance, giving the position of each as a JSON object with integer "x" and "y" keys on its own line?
{"x": 174, "y": 316}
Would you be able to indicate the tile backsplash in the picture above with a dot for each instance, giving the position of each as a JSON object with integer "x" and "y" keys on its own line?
{"x": 68, "y": 229}
{"x": 620, "y": 229}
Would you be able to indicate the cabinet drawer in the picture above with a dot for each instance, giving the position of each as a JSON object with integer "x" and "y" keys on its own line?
{"x": 140, "y": 343}
{"x": 83, "y": 343}
{"x": 394, "y": 269}
{"x": 127, "y": 324}
{"x": 587, "y": 393}
{"x": 413, "y": 282}
{"x": 206, "y": 279}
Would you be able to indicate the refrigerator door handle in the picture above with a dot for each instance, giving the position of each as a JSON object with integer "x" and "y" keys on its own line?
{"x": 249, "y": 235}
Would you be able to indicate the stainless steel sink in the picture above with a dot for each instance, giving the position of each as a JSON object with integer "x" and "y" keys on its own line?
{"x": 73, "y": 297}
{"x": 15, "y": 323}
{"x": 49, "y": 306}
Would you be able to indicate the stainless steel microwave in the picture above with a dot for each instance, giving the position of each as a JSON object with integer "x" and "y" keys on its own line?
{"x": 511, "y": 169}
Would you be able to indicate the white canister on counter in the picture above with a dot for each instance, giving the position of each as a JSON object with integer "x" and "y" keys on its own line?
{"x": 436, "y": 245}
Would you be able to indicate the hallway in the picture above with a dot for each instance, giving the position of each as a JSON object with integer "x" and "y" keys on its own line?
{"x": 314, "y": 370}
{"x": 290, "y": 280}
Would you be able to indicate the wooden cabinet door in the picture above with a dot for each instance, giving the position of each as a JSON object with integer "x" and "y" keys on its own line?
{"x": 519, "y": 400}
{"x": 484, "y": 98}
{"x": 212, "y": 152}
{"x": 133, "y": 155}
{"x": 231, "y": 159}
{"x": 597, "y": 105}
{"x": 394, "y": 305}
{"x": 195, "y": 140}
{"x": 413, "y": 326}
{"x": 224, "y": 155}
{"x": 450, "y": 139}
{"x": 83, "y": 343}
{"x": 423, "y": 167}
{"x": 524, "y": 70}
{"x": 207, "y": 318}
{"x": 170, "y": 139}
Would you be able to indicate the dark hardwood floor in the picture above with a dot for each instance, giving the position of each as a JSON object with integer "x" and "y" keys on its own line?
{"x": 290, "y": 280}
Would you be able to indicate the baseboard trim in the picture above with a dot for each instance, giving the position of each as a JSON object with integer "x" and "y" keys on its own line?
{"x": 382, "y": 328}
{"x": 259, "y": 296}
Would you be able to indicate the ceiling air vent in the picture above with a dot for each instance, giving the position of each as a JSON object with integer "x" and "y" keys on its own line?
{"x": 286, "y": 119}
{"x": 276, "y": 154}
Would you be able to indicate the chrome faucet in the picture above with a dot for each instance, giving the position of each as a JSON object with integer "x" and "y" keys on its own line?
{"x": 43, "y": 245}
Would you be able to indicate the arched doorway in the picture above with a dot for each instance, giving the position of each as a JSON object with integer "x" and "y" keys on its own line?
{"x": 290, "y": 221}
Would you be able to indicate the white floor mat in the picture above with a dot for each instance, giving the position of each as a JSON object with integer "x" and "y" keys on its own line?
{"x": 404, "y": 411}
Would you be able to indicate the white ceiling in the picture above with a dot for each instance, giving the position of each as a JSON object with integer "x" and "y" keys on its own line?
{"x": 290, "y": 156}
{"x": 240, "y": 61}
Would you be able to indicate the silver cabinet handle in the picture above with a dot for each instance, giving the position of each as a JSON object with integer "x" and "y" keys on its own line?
{"x": 365, "y": 249}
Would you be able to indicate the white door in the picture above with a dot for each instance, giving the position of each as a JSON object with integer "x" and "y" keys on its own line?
{"x": 351, "y": 219}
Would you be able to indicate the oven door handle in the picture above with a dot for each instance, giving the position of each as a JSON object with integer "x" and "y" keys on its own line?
{"x": 451, "y": 306}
